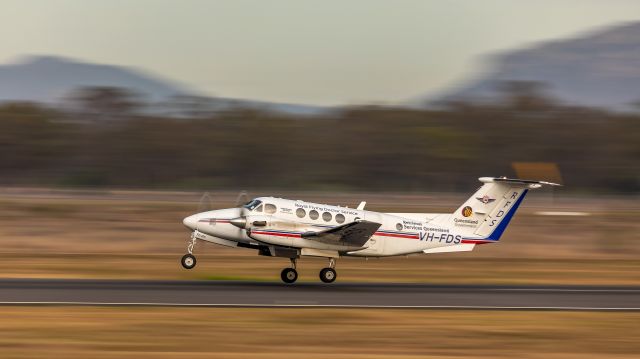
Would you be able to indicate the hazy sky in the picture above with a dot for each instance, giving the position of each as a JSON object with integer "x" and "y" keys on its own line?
{"x": 321, "y": 52}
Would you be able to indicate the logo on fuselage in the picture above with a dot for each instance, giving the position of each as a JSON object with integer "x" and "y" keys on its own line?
{"x": 467, "y": 211}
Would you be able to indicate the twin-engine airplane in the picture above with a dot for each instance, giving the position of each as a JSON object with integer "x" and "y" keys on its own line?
{"x": 286, "y": 228}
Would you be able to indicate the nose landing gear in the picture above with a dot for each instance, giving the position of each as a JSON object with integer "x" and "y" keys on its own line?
{"x": 189, "y": 260}
{"x": 290, "y": 275}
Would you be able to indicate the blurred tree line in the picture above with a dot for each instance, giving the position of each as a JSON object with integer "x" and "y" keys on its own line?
{"x": 103, "y": 140}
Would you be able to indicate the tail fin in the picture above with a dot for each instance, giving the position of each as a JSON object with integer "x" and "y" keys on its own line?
{"x": 485, "y": 215}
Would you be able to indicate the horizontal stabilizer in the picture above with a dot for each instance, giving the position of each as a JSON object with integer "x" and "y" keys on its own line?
{"x": 354, "y": 234}
{"x": 528, "y": 183}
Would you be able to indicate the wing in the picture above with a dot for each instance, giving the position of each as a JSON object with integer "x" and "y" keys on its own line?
{"x": 354, "y": 234}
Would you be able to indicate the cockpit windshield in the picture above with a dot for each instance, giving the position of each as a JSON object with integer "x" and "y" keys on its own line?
{"x": 251, "y": 205}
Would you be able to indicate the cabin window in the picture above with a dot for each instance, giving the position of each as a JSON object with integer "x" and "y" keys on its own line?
{"x": 313, "y": 214}
{"x": 340, "y": 218}
{"x": 270, "y": 208}
{"x": 399, "y": 226}
{"x": 326, "y": 216}
{"x": 301, "y": 212}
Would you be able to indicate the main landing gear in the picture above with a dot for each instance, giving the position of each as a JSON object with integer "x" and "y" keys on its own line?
{"x": 290, "y": 275}
{"x": 189, "y": 260}
{"x": 327, "y": 275}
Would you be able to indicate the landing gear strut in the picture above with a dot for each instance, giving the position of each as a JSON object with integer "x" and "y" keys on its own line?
{"x": 189, "y": 260}
{"x": 328, "y": 275}
{"x": 290, "y": 275}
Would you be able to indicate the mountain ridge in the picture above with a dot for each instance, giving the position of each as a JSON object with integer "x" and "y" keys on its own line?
{"x": 598, "y": 68}
{"x": 49, "y": 79}
{"x": 46, "y": 78}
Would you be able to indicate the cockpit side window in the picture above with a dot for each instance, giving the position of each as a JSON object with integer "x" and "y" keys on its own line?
{"x": 258, "y": 209}
{"x": 253, "y": 204}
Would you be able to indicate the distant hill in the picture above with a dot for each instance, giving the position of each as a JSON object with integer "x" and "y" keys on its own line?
{"x": 599, "y": 69}
{"x": 49, "y": 79}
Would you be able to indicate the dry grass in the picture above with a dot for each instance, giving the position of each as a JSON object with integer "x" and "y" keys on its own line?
{"x": 71, "y": 332}
{"x": 140, "y": 235}
{"x": 227, "y": 265}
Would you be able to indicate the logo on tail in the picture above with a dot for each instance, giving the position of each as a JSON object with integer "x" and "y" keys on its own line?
{"x": 485, "y": 199}
{"x": 467, "y": 211}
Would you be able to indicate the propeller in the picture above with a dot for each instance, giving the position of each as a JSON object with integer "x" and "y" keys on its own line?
{"x": 243, "y": 197}
{"x": 241, "y": 222}
{"x": 206, "y": 203}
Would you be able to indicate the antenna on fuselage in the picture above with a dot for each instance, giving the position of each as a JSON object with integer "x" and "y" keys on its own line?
{"x": 361, "y": 205}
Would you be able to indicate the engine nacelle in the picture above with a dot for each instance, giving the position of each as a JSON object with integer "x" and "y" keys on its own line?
{"x": 268, "y": 229}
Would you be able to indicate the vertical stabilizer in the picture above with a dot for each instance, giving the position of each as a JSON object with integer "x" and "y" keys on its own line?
{"x": 486, "y": 214}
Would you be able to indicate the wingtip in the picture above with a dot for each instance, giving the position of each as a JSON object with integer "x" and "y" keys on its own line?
{"x": 551, "y": 184}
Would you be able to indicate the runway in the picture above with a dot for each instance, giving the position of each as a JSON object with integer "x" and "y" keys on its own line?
{"x": 342, "y": 295}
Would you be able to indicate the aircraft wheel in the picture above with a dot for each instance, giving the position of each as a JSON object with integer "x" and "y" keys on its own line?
{"x": 188, "y": 261}
{"x": 289, "y": 275}
{"x": 328, "y": 275}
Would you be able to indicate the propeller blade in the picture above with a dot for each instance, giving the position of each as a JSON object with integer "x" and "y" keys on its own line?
{"x": 205, "y": 204}
{"x": 243, "y": 197}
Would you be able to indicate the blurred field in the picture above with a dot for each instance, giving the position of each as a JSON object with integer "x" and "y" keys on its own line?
{"x": 127, "y": 234}
{"x": 86, "y": 332}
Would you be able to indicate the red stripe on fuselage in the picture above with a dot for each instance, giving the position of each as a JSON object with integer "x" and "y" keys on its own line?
{"x": 276, "y": 234}
{"x": 410, "y": 236}
{"x": 477, "y": 241}
{"x": 298, "y": 235}
{"x": 213, "y": 220}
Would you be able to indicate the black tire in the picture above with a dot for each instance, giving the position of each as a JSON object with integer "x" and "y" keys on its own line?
{"x": 328, "y": 275}
{"x": 188, "y": 261}
{"x": 289, "y": 275}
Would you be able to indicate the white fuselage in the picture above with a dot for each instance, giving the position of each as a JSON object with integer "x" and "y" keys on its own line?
{"x": 281, "y": 222}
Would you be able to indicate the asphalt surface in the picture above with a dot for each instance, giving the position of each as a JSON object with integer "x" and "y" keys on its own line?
{"x": 257, "y": 294}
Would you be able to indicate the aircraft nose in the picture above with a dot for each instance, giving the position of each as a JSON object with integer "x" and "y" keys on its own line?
{"x": 191, "y": 222}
